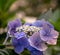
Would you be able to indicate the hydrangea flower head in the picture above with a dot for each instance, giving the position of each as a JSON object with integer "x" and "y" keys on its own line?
{"x": 32, "y": 36}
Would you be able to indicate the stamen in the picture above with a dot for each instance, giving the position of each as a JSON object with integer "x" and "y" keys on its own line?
{"x": 27, "y": 28}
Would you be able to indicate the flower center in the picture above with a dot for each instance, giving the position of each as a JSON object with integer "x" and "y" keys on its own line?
{"x": 28, "y": 29}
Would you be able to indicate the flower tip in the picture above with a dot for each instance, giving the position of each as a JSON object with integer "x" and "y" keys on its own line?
{"x": 52, "y": 42}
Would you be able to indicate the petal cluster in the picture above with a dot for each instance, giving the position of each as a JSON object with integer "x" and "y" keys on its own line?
{"x": 37, "y": 41}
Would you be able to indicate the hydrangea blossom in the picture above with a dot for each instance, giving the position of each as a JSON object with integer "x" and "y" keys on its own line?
{"x": 48, "y": 34}
{"x": 19, "y": 44}
{"x": 34, "y": 51}
{"x": 36, "y": 42}
{"x": 32, "y": 36}
{"x": 12, "y": 26}
{"x": 40, "y": 23}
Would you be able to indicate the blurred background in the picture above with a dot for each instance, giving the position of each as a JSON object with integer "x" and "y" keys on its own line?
{"x": 29, "y": 11}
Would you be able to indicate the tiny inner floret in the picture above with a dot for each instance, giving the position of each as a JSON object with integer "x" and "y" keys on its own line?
{"x": 28, "y": 29}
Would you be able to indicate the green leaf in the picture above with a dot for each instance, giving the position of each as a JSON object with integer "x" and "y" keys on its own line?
{"x": 7, "y": 52}
{"x": 2, "y": 4}
{"x": 46, "y": 15}
{"x": 55, "y": 15}
{"x": 25, "y": 52}
{"x": 48, "y": 51}
{"x": 8, "y": 4}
